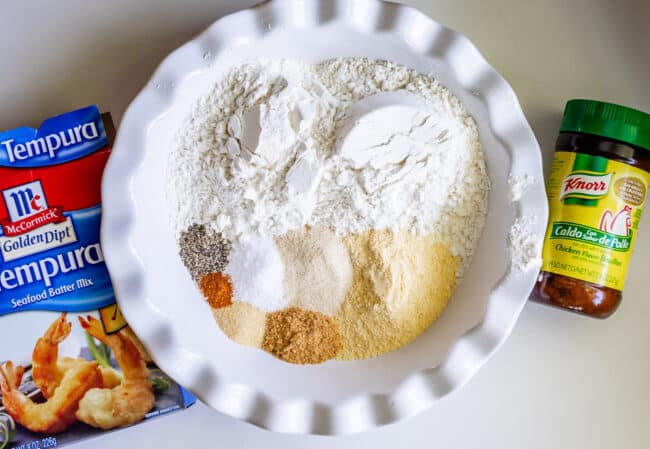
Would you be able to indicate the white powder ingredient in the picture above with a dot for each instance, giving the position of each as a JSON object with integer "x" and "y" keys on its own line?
{"x": 421, "y": 167}
{"x": 256, "y": 272}
{"x": 525, "y": 244}
{"x": 400, "y": 163}
{"x": 444, "y": 194}
{"x": 518, "y": 185}
{"x": 235, "y": 169}
{"x": 386, "y": 129}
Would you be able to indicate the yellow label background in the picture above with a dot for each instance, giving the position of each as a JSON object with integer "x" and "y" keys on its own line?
{"x": 581, "y": 259}
{"x": 112, "y": 318}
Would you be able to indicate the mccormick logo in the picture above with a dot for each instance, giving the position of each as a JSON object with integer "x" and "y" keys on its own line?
{"x": 585, "y": 185}
{"x": 28, "y": 210}
{"x": 32, "y": 226}
{"x": 24, "y": 200}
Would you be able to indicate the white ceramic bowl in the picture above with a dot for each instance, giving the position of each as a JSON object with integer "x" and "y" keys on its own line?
{"x": 156, "y": 293}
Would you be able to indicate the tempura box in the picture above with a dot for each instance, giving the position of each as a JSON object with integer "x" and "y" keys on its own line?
{"x": 70, "y": 366}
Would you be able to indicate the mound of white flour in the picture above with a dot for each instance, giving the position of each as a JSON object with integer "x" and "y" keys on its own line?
{"x": 348, "y": 144}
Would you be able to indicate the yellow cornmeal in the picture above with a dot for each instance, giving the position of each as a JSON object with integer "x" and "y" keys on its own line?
{"x": 242, "y": 323}
{"x": 401, "y": 284}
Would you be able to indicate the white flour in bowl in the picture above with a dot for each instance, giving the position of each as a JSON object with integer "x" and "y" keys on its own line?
{"x": 346, "y": 197}
{"x": 278, "y": 145}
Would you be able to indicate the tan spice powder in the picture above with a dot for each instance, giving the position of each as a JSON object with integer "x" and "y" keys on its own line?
{"x": 242, "y": 323}
{"x": 401, "y": 284}
{"x": 317, "y": 269}
{"x": 217, "y": 289}
{"x": 301, "y": 336}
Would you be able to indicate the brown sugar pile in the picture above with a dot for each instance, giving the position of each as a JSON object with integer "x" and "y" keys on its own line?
{"x": 301, "y": 336}
{"x": 401, "y": 284}
{"x": 217, "y": 289}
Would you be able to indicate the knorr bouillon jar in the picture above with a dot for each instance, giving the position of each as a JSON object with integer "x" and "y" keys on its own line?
{"x": 596, "y": 190}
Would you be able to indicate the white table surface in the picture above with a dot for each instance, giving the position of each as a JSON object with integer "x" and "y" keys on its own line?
{"x": 560, "y": 381}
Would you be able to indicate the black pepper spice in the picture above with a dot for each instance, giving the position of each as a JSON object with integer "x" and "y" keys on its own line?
{"x": 203, "y": 251}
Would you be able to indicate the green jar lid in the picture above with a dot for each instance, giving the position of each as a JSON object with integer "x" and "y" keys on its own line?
{"x": 608, "y": 120}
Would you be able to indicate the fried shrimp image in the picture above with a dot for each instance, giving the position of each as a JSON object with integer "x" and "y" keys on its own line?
{"x": 48, "y": 369}
{"x": 58, "y": 412}
{"x": 45, "y": 370}
{"x": 128, "y": 402}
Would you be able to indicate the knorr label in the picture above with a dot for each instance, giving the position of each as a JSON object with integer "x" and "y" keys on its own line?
{"x": 595, "y": 207}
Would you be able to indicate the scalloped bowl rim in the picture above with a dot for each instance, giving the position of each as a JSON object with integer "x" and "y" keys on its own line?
{"x": 420, "y": 389}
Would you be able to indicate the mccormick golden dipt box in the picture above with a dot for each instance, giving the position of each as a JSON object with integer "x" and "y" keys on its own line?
{"x": 70, "y": 366}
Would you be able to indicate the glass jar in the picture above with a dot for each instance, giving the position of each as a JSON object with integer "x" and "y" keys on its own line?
{"x": 596, "y": 191}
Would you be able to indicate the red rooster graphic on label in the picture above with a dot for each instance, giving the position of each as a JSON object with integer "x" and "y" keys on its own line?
{"x": 618, "y": 224}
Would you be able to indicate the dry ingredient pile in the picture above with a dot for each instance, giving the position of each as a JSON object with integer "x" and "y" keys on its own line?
{"x": 327, "y": 211}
